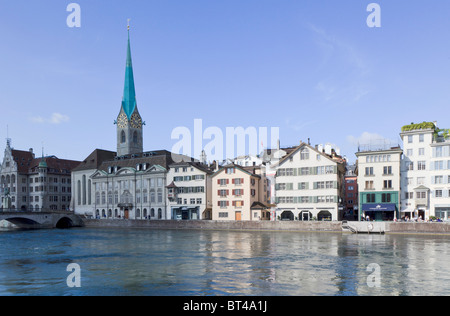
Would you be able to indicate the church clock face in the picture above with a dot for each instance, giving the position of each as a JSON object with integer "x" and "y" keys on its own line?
{"x": 136, "y": 121}
{"x": 122, "y": 121}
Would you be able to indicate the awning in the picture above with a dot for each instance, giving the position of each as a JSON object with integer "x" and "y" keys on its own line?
{"x": 379, "y": 207}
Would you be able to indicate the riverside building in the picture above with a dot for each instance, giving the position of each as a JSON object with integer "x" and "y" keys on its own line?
{"x": 425, "y": 171}
{"x": 308, "y": 184}
{"x": 379, "y": 183}
{"x": 28, "y": 183}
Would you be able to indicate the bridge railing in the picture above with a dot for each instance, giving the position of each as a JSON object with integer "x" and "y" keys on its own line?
{"x": 10, "y": 210}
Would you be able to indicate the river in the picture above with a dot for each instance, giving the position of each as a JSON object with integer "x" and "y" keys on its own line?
{"x": 125, "y": 262}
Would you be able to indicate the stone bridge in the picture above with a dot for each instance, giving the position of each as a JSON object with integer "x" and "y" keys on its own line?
{"x": 40, "y": 220}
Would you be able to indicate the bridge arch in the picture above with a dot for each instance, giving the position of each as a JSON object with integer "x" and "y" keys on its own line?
{"x": 22, "y": 222}
{"x": 64, "y": 223}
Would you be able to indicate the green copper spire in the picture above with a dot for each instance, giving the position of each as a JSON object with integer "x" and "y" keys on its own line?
{"x": 129, "y": 93}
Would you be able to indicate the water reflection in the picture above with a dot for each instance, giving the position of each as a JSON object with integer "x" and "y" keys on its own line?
{"x": 160, "y": 262}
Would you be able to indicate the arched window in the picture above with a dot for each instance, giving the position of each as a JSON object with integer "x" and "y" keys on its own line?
{"x": 123, "y": 138}
{"x": 79, "y": 192}
{"x": 135, "y": 137}
{"x": 84, "y": 189}
{"x": 89, "y": 192}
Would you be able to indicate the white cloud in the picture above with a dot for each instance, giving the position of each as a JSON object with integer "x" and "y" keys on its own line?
{"x": 55, "y": 118}
{"x": 371, "y": 141}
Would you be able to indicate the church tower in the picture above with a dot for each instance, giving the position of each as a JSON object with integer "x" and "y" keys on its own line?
{"x": 129, "y": 122}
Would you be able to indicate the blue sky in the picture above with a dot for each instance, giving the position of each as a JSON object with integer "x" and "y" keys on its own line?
{"x": 312, "y": 68}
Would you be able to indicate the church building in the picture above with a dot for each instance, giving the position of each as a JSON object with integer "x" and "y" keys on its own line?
{"x": 129, "y": 183}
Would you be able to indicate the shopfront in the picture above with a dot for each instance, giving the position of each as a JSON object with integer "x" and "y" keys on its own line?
{"x": 442, "y": 213}
{"x": 379, "y": 212}
{"x": 185, "y": 213}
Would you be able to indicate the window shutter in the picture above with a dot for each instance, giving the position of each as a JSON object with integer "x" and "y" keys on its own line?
{"x": 228, "y": 192}
{"x": 228, "y": 181}
{"x": 242, "y": 203}
{"x": 218, "y": 203}
{"x": 232, "y": 181}
{"x": 218, "y": 181}
{"x": 233, "y": 192}
{"x": 242, "y": 181}
{"x": 218, "y": 192}
{"x": 233, "y": 203}
{"x": 228, "y": 203}
{"x": 242, "y": 191}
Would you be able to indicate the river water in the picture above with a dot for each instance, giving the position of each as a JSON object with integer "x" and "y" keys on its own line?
{"x": 186, "y": 263}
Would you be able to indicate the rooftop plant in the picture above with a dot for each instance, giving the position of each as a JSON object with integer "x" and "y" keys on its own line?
{"x": 424, "y": 125}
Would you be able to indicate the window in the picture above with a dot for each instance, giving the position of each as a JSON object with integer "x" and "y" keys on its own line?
{"x": 371, "y": 198}
{"x": 387, "y": 170}
{"x": 421, "y": 195}
{"x": 123, "y": 137}
{"x": 223, "y": 214}
{"x": 386, "y": 197}
{"x": 410, "y": 139}
{"x": 387, "y": 184}
{"x": 369, "y": 185}
{"x": 439, "y": 165}
{"x": 223, "y": 204}
{"x": 421, "y": 165}
{"x": 409, "y": 152}
{"x": 304, "y": 154}
{"x": 421, "y": 180}
{"x": 409, "y": 165}
{"x": 369, "y": 171}
{"x": 192, "y": 201}
{"x": 438, "y": 179}
{"x": 135, "y": 138}
{"x": 230, "y": 170}
{"x": 438, "y": 193}
{"x": 421, "y": 151}
{"x": 421, "y": 138}
{"x": 409, "y": 195}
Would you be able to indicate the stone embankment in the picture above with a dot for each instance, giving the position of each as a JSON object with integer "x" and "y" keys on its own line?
{"x": 294, "y": 226}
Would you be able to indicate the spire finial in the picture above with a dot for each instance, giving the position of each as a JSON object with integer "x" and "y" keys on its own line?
{"x": 128, "y": 24}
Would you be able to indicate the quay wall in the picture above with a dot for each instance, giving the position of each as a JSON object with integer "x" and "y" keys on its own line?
{"x": 294, "y": 226}
{"x": 219, "y": 225}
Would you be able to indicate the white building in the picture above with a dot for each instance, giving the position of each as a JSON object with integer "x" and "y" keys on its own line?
{"x": 308, "y": 185}
{"x": 425, "y": 172}
{"x": 189, "y": 191}
{"x": 379, "y": 183}
{"x": 29, "y": 183}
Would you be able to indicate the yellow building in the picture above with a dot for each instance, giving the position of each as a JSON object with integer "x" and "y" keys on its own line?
{"x": 240, "y": 193}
